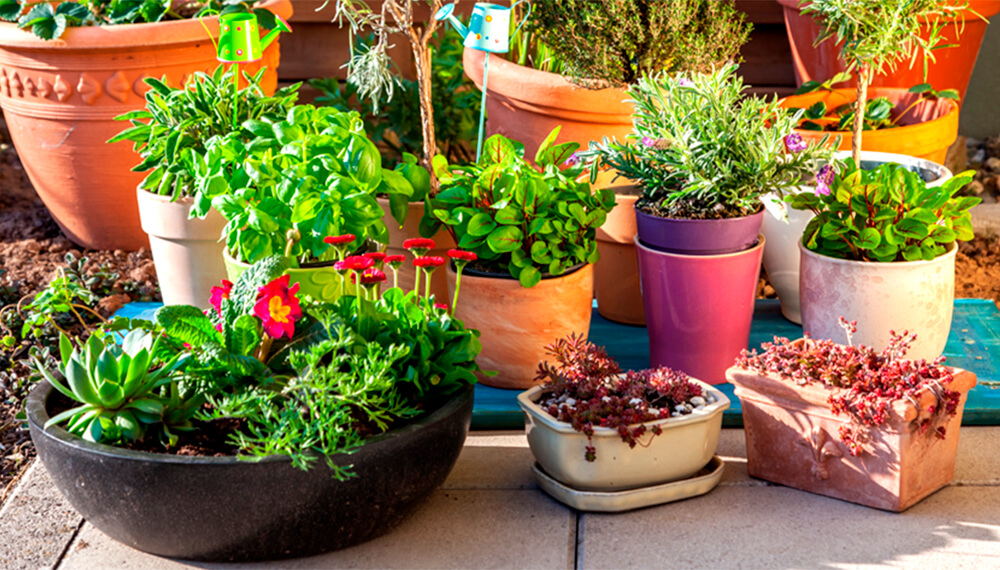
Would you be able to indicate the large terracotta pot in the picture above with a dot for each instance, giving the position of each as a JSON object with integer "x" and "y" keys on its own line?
{"x": 951, "y": 69}
{"x": 914, "y": 296}
{"x": 410, "y": 229}
{"x": 698, "y": 308}
{"x": 525, "y": 104}
{"x": 187, "y": 252}
{"x": 926, "y": 131}
{"x": 60, "y": 98}
{"x": 517, "y": 322}
{"x": 616, "y": 275}
{"x": 792, "y": 439}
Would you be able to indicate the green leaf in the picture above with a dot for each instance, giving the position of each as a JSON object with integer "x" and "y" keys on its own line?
{"x": 505, "y": 239}
{"x": 808, "y": 87}
{"x": 921, "y": 88}
{"x": 816, "y": 111}
{"x": 869, "y": 239}
{"x": 481, "y": 224}
{"x": 10, "y": 10}
{"x": 187, "y": 324}
{"x": 511, "y": 215}
{"x": 530, "y": 276}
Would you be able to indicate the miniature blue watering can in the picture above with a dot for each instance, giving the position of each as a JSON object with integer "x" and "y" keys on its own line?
{"x": 239, "y": 37}
{"x": 489, "y": 27}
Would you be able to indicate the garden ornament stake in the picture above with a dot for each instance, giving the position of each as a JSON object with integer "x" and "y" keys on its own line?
{"x": 240, "y": 42}
{"x": 489, "y": 31}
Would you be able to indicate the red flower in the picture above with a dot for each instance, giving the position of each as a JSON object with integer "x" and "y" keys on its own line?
{"x": 395, "y": 260}
{"x": 462, "y": 255}
{"x": 442, "y": 306}
{"x": 355, "y": 263}
{"x": 376, "y": 256}
{"x": 419, "y": 243}
{"x": 429, "y": 261}
{"x": 370, "y": 276}
{"x": 339, "y": 240}
{"x": 278, "y": 307}
{"x": 220, "y": 293}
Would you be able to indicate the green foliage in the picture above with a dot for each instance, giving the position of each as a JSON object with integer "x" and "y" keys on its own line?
{"x": 49, "y": 21}
{"x": 171, "y": 132}
{"x": 63, "y": 295}
{"x": 886, "y": 214}
{"x": 617, "y": 42}
{"x": 516, "y": 219}
{"x": 314, "y": 172}
{"x": 702, "y": 149}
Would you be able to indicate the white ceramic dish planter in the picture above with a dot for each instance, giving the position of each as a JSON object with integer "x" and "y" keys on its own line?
{"x": 686, "y": 445}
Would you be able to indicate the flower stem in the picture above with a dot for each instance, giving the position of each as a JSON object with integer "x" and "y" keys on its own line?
{"x": 458, "y": 283}
{"x": 427, "y": 285}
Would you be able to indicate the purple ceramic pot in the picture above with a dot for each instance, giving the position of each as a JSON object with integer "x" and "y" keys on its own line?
{"x": 698, "y": 308}
{"x": 698, "y": 237}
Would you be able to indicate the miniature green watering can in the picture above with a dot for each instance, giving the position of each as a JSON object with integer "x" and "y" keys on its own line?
{"x": 239, "y": 37}
{"x": 489, "y": 27}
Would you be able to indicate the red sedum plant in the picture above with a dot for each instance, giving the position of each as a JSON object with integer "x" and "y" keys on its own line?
{"x": 586, "y": 389}
{"x": 869, "y": 380}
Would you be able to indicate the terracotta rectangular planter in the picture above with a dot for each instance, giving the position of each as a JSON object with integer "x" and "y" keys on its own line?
{"x": 792, "y": 439}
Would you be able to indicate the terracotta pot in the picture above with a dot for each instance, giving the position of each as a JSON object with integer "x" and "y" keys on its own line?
{"x": 783, "y": 227}
{"x": 926, "y": 131}
{"x": 698, "y": 308}
{"x": 951, "y": 69}
{"x": 187, "y": 252}
{"x": 517, "y": 323}
{"x": 686, "y": 445}
{"x": 792, "y": 439}
{"x": 915, "y": 296}
{"x": 698, "y": 237}
{"x": 616, "y": 275}
{"x": 410, "y": 229}
{"x": 320, "y": 282}
{"x": 525, "y": 104}
{"x": 60, "y": 98}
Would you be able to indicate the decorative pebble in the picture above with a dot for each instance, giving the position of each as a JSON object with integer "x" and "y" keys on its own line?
{"x": 698, "y": 401}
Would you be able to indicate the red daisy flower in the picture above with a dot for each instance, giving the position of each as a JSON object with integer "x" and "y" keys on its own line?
{"x": 395, "y": 260}
{"x": 370, "y": 276}
{"x": 339, "y": 240}
{"x": 430, "y": 261}
{"x": 442, "y": 306}
{"x": 419, "y": 243}
{"x": 355, "y": 263}
{"x": 461, "y": 255}
{"x": 278, "y": 307}
{"x": 220, "y": 293}
{"x": 376, "y": 256}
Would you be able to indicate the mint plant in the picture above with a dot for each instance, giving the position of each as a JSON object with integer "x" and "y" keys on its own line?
{"x": 516, "y": 219}
{"x": 885, "y": 214}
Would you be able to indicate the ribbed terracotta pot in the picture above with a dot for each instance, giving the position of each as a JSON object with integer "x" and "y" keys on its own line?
{"x": 60, "y": 98}
{"x": 914, "y": 296}
{"x": 616, "y": 275}
{"x": 410, "y": 229}
{"x": 698, "y": 308}
{"x": 926, "y": 131}
{"x": 187, "y": 252}
{"x": 517, "y": 322}
{"x": 525, "y": 104}
{"x": 951, "y": 68}
{"x": 320, "y": 282}
{"x": 792, "y": 439}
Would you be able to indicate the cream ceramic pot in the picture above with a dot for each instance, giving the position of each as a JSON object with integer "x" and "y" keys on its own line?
{"x": 187, "y": 252}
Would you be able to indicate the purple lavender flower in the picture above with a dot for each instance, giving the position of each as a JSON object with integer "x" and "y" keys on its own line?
{"x": 794, "y": 143}
{"x": 648, "y": 142}
{"x": 824, "y": 178}
{"x": 685, "y": 82}
{"x": 572, "y": 160}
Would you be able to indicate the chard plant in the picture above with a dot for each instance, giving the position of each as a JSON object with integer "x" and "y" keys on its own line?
{"x": 876, "y": 35}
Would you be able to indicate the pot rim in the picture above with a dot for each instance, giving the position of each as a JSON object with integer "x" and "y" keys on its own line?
{"x": 758, "y": 245}
{"x": 951, "y": 252}
{"x": 994, "y": 7}
{"x": 38, "y": 415}
{"x": 692, "y": 221}
{"x": 527, "y": 401}
{"x": 144, "y": 194}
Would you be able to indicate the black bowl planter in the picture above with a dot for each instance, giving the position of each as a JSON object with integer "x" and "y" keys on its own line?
{"x": 222, "y": 508}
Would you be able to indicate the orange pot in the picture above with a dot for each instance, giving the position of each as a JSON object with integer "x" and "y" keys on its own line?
{"x": 525, "y": 104}
{"x": 397, "y": 235}
{"x": 616, "y": 275}
{"x": 926, "y": 131}
{"x": 60, "y": 98}
{"x": 951, "y": 69}
{"x": 517, "y": 323}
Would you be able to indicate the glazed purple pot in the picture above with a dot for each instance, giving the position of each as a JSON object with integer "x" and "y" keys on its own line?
{"x": 699, "y": 237}
{"x": 698, "y": 307}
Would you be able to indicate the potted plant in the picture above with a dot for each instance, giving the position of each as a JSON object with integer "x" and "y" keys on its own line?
{"x": 60, "y": 98}
{"x": 882, "y": 247}
{"x": 533, "y": 234}
{"x": 703, "y": 155}
{"x": 570, "y": 68}
{"x": 960, "y": 25}
{"x": 593, "y": 427}
{"x": 270, "y": 427}
{"x": 850, "y": 422}
{"x": 174, "y": 127}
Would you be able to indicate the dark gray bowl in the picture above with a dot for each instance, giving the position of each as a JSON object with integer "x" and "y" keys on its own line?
{"x": 221, "y": 508}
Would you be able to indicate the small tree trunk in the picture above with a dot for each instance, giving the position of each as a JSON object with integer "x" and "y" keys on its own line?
{"x": 859, "y": 112}
{"x": 422, "y": 58}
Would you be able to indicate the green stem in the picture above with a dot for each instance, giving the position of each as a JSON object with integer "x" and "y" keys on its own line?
{"x": 458, "y": 283}
{"x": 416, "y": 280}
{"x": 427, "y": 284}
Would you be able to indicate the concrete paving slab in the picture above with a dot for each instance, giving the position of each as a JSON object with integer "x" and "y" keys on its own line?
{"x": 36, "y": 523}
{"x": 778, "y": 527}
{"x": 978, "y": 462}
{"x": 455, "y": 529}
{"x": 493, "y": 460}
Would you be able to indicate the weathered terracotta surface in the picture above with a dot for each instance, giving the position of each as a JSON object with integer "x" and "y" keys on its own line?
{"x": 187, "y": 252}
{"x": 616, "y": 275}
{"x": 525, "y": 104}
{"x": 916, "y": 296}
{"x": 60, "y": 97}
{"x": 517, "y": 323}
{"x": 397, "y": 235}
{"x": 792, "y": 439}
